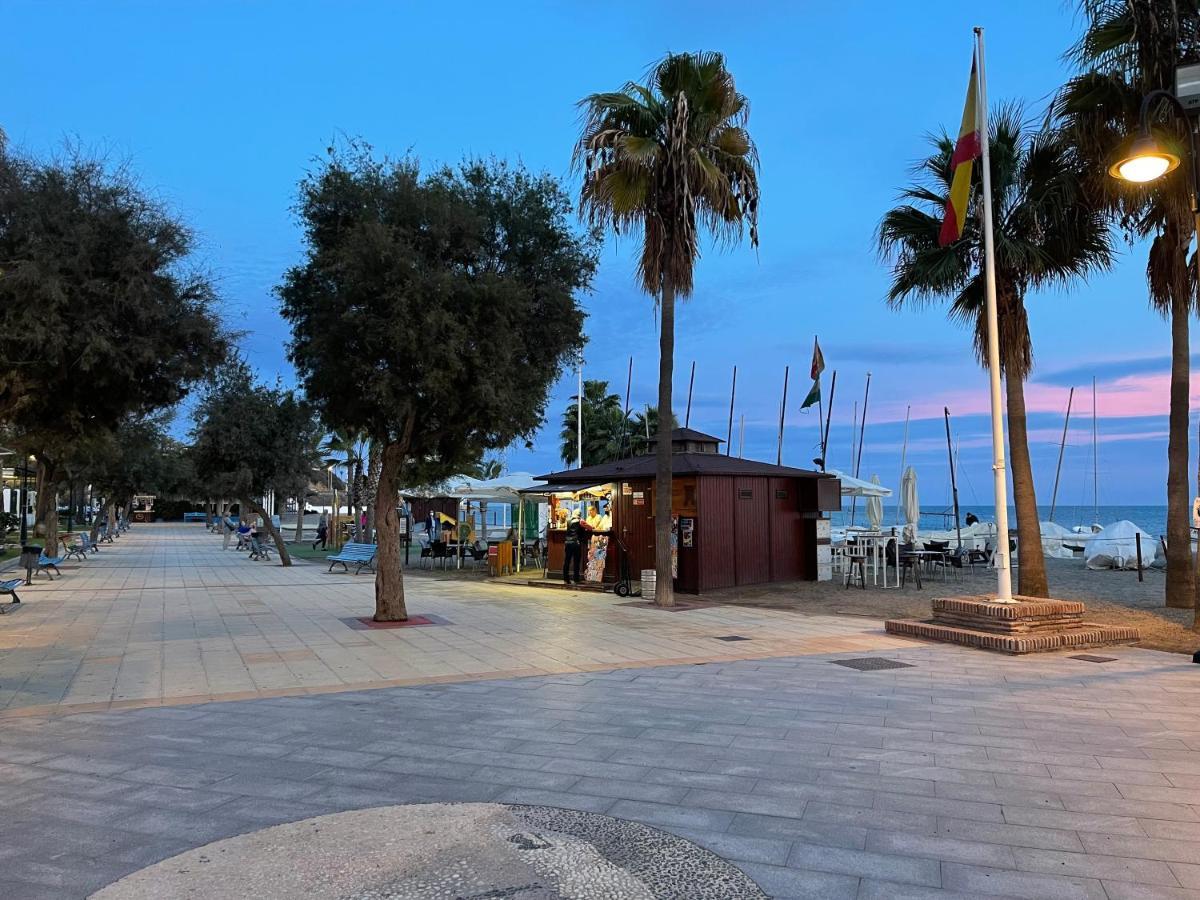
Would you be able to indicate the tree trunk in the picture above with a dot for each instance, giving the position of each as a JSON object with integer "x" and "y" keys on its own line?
{"x": 112, "y": 520}
{"x": 1180, "y": 580}
{"x": 389, "y": 579}
{"x": 371, "y": 490}
{"x": 208, "y": 513}
{"x": 1031, "y": 574}
{"x": 664, "y": 588}
{"x": 45, "y": 520}
{"x": 128, "y": 509}
{"x": 299, "y": 535}
{"x": 285, "y": 558}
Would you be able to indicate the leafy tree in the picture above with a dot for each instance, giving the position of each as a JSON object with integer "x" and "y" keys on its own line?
{"x": 1127, "y": 50}
{"x": 602, "y": 426}
{"x": 1045, "y": 234}
{"x": 249, "y": 440}
{"x": 112, "y": 321}
{"x": 668, "y": 157}
{"x": 413, "y": 283}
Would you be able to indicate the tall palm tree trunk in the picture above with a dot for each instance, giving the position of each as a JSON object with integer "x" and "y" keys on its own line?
{"x": 1180, "y": 578}
{"x": 1031, "y": 574}
{"x": 664, "y": 590}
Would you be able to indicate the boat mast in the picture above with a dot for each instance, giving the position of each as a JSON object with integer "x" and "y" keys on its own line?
{"x": 828, "y": 418}
{"x": 687, "y": 417}
{"x": 732, "y": 394}
{"x": 953, "y": 479}
{"x": 1061, "y": 447}
{"x": 862, "y": 435}
{"x": 853, "y": 438}
{"x": 903, "y": 455}
{"x": 1095, "y": 459}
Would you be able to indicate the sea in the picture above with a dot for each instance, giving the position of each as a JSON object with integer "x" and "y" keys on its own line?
{"x": 1151, "y": 519}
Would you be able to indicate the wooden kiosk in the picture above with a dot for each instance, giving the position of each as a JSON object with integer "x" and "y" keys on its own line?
{"x": 734, "y": 521}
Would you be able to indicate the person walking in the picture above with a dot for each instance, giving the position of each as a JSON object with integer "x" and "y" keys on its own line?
{"x": 322, "y": 531}
{"x": 576, "y": 537}
{"x": 228, "y": 527}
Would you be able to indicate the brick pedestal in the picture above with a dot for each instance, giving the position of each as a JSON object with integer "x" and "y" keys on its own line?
{"x": 1029, "y": 625}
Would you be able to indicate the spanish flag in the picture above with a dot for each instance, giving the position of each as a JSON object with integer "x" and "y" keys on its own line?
{"x": 966, "y": 151}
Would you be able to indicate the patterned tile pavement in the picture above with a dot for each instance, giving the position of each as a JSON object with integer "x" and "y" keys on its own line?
{"x": 164, "y": 615}
{"x": 964, "y": 774}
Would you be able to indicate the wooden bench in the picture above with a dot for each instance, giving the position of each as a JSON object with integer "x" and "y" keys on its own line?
{"x": 362, "y": 555}
{"x": 10, "y": 587}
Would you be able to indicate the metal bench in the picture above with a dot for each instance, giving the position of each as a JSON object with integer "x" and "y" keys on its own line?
{"x": 78, "y": 549}
{"x": 362, "y": 555}
{"x": 46, "y": 563}
{"x": 10, "y": 587}
{"x": 193, "y": 517}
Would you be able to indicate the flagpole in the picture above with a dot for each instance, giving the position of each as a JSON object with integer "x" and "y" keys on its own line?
{"x": 1003, "y": 572}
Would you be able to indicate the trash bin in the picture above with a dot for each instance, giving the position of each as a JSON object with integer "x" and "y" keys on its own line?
{"x": 649, "y": 577}
{"x": 30, "y": 554}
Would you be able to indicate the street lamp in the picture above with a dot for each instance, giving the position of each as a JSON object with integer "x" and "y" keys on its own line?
{"x": 1147, "y": 160}
{"x": 25, "y": 501}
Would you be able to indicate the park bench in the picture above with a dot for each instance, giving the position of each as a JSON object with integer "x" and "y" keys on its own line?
{"x": 46, "y": 563}
{"x": 10, "y": 587}
{"x": 193, "y": 517}
{"x": 362, "y": 555}
{"x": 78, "y": 548}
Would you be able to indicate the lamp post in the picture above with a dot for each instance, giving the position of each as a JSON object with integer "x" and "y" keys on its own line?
{"x": 25, "y": 501}
{"x": 1147, "y": 160}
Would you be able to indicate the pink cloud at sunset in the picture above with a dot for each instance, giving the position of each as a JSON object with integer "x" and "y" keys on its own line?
{"x": 1145, "y": 394}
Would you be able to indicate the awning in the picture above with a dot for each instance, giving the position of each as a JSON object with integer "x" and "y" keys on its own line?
{"x": 856, "y": 487}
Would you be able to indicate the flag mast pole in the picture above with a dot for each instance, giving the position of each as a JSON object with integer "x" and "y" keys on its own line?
{"x": 1004, "y": 592}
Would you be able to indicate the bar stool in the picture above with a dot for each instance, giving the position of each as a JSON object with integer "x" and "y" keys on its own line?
{"x": 856, "y": 558}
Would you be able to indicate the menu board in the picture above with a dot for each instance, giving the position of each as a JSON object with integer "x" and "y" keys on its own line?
{"x": 597, "y": 554}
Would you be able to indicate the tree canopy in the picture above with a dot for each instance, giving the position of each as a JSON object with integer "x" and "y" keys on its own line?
{"x": 431, "y": 312}
{"x": 249, "y": 439}
{"x": 109, "y": 320}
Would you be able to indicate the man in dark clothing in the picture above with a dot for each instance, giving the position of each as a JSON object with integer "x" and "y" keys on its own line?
{"x": 576, "y": 537}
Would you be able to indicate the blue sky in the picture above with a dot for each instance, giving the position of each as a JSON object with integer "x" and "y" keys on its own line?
{"x": 221, "y": 106}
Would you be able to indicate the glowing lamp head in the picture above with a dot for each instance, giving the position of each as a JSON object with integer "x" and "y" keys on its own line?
{"x": 1145, "y": 161}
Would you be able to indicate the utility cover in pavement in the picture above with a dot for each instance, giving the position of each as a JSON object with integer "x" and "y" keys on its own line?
{"x": 1087, "y": 657}
{"x": 732, "y": 637}
{"x": 871, "y": 664}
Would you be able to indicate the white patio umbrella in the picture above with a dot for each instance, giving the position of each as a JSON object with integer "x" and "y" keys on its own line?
{"x": 909, "y": 504}
{"x": 875, "y": 507}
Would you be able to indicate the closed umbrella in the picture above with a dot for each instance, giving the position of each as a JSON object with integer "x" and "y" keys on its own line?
{"x": 909, "y": 504}
{"x": 875, "y": 507}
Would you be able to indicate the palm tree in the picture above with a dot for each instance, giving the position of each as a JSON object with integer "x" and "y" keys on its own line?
{"x": 643, "y": 426}
{"x": 343, "y": 448}
{"x": 1045, "y": 234}
{"x": 668, "y": 157}
{"x": 602, "y": 429}
{"x": 1127, "y": 50}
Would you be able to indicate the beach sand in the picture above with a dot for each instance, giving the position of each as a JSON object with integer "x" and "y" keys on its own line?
{"x": 1112, "y": 598}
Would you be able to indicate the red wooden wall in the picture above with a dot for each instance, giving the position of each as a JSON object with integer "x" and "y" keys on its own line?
{"x": 786, "y": 526}
{"x": 752, "y": 529}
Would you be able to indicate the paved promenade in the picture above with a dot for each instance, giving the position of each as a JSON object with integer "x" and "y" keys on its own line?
{"x": 165, "y": 616}
{"x": 962, "y": 774}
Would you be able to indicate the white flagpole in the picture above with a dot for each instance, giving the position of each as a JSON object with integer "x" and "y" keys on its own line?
{"x": 579, "y": 420}
{"x": 1003, "y": 572}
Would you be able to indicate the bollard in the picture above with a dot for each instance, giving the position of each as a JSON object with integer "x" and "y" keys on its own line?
{"x": 1137, "y": 537}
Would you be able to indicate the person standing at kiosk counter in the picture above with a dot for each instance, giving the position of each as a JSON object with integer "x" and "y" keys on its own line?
{"x": 576, "y": 537}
